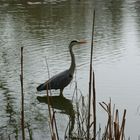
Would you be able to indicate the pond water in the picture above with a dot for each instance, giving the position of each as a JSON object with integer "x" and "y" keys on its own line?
{"x": 45, "y": 30}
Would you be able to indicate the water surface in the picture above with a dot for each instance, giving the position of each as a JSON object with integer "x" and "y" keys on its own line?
{"x": 45, "y": 32}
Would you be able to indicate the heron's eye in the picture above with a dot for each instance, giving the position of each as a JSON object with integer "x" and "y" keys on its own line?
{"x": 70, "y": 75}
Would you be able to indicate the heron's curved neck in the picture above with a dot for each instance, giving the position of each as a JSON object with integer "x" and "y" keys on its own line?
{"x": 72, "y": 66}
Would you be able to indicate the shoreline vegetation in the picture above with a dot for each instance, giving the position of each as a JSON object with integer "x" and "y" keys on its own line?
{"x": 82, "y": 123}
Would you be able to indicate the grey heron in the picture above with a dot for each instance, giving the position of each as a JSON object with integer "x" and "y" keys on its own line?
{"x": 61, "y": 80}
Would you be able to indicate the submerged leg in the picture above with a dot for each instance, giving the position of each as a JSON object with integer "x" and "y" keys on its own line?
{"x": 61, "y": 92}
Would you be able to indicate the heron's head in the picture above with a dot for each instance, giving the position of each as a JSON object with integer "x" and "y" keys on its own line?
{"x": 76, "y": 42}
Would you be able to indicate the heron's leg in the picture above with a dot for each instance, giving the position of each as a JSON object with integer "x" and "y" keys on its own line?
{"x": 61, "y": 92}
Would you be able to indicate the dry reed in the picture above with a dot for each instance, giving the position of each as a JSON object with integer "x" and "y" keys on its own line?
{"x": 113, "y": 130}
{"x": 22, "y": 97}
{"x": 53, "y": 124}
{"x": 90, "y": 85}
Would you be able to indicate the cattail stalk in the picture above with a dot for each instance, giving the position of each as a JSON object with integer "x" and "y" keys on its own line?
{"x": 90, "y": 79}
{"x": 22, "y": 97}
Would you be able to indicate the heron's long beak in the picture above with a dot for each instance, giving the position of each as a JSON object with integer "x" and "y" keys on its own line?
{"x": 82, "y": 41}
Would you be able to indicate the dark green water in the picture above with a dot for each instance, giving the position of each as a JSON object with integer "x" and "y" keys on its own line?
{"x": 45, "y": 30}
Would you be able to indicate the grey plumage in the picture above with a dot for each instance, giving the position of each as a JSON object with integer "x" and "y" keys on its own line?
{"x": 61, "y": 80}
{"x": 58, "y": 81}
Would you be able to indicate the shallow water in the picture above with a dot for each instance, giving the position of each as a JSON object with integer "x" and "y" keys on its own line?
{"x": 45, "y": 32}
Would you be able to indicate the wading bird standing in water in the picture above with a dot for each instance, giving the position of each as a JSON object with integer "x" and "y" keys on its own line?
{"x": 61, "y": 80}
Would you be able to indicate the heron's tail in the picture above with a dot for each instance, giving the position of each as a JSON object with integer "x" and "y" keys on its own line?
{"x": 41, "y": 87}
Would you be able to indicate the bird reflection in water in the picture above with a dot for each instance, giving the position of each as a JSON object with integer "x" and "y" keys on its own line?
{"x": 60, "y": 103}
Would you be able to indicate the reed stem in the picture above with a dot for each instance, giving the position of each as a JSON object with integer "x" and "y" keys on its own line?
{"x": 53, "y": 127}
{"x": 22, "y": 97}
{"x": 94, "y": 108}
{"x": 90, "y": 79}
